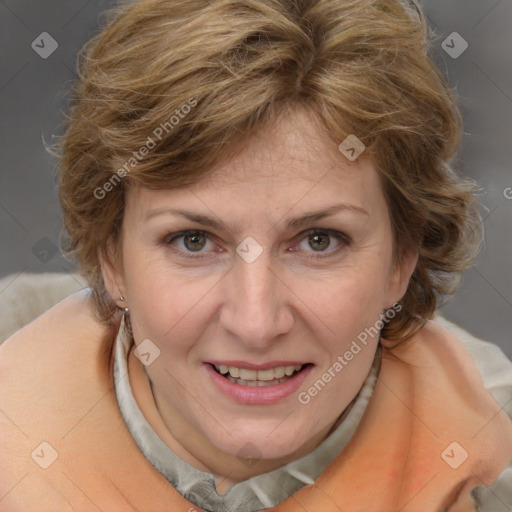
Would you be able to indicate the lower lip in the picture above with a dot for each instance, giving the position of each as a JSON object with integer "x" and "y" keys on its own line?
{"x": 258, "y": 395}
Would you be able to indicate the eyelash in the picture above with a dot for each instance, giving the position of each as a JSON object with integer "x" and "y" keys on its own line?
{"x": 341, "y": 237}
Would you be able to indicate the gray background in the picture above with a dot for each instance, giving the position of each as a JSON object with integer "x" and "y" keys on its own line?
{"x": 33, "y": 89}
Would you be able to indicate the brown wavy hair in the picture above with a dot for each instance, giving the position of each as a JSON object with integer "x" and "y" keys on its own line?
{"x": 358, "y": 66}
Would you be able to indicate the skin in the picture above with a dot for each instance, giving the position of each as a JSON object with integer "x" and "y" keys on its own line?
{"x": 286, "y": 305}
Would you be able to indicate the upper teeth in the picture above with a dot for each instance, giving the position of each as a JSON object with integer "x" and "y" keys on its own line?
{"x": 265, "y": 375}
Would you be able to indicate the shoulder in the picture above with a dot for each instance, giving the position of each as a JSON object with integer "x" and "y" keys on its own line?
{"x": 445, "y": 344}
{"x": 447, "y": 339}
{"x": 70, "y": 322}
{"x": 50, "y": 349}
{"x": 493, "y": 365}
{"x": 52, "y": 372}
{"x": 28, "y": 295}
{"x": 476, "y": 364}
{"x": 495, "y": 369}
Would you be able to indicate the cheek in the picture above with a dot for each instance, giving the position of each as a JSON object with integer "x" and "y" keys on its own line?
{"x": 147, "y": 285}
{"x": 349, "y": 314}
{"x": 352, "y": 296}
{"x": 347, "y": 308}
{"x": 165, "y": 302}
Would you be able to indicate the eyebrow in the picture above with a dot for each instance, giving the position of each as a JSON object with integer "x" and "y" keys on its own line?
{"x": 292, "y": 223}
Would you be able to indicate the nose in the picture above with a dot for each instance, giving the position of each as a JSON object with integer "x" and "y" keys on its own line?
{"x": 256, "y": 307}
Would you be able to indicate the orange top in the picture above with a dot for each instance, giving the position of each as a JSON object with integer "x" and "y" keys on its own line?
{"x": 430, "y": 433}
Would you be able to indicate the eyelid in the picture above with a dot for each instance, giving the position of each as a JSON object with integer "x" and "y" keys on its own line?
{"x": 343, "y": 238}
{"x": 168, "y": 239}
{"x": 332, "y": 232}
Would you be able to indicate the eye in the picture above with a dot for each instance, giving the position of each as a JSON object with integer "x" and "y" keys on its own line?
{"x": 320, "y": 240}
{"x": 191, "y": 242}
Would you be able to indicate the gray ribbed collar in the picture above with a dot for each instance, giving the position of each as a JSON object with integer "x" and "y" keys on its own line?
{"x": 259, "y": 492}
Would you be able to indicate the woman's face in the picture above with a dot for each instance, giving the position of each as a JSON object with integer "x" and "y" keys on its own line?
{"x": 287, "y": 260}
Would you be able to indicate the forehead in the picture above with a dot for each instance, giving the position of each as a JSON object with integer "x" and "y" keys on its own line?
{"x": 292, "y": 165}
{"x": 297, "y": 147}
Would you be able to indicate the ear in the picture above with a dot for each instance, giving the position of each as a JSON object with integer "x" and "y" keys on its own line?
{"x": 112, "y": 272}
{"x": 399, "y": 277}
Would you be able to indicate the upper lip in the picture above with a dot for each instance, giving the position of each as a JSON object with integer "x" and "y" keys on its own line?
{"x": 255, "y": 366}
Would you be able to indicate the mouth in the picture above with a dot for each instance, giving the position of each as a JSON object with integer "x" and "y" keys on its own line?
{"x": 259, "y": 378}
{"x": 257, "y": 384}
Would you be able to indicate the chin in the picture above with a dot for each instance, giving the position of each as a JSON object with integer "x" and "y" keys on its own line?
{"x": 258, "y": 440}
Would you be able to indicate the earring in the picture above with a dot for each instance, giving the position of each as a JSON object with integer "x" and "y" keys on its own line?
{"x": 122, "y": 299}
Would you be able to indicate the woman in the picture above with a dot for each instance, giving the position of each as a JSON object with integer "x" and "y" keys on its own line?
{"x": 259, "y": 196}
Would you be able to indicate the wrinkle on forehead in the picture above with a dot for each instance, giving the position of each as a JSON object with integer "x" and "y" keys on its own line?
{"x": 288, "y": 150}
